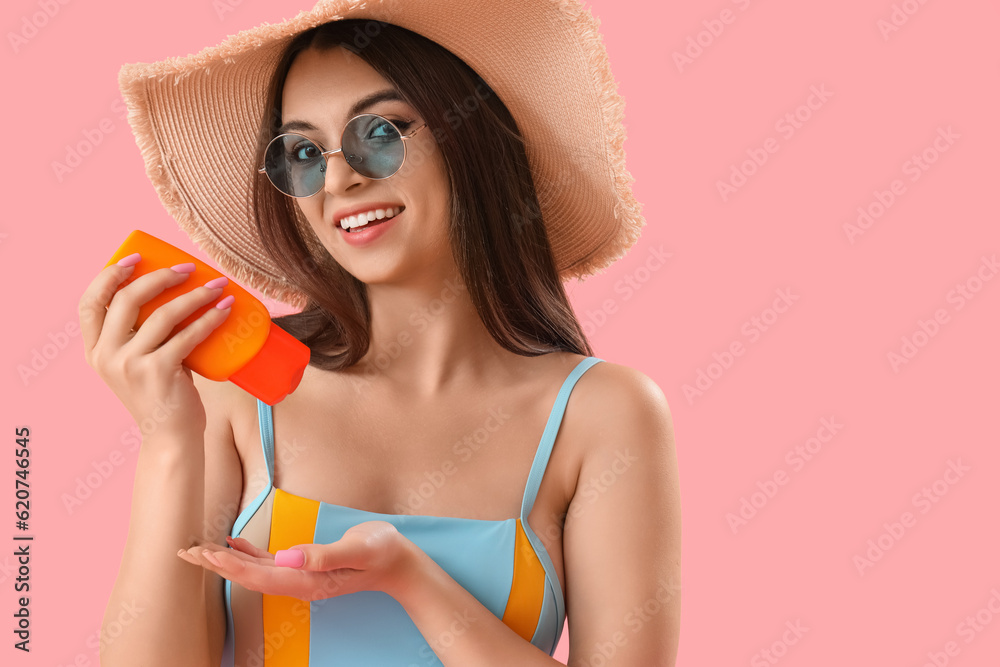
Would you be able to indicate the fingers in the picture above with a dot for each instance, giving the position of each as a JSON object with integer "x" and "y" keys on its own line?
{"x": 246, "y": 547}
{"x": 215, "y": 560}
{"x": 216, "y": 550}
{"x": 188, "y": 338}
{"x": 362, "y": 546}
{"x": 109, "y": 311}
{"x": 94, "y": 303}
{"x": 123, "y": 311}
{"x": 276, "y": 581}
{"x": 254, "y": 576}
{"x": 266, "y": 578}
{"x": 343, "y": 554}
{"x": 165, "y": 318}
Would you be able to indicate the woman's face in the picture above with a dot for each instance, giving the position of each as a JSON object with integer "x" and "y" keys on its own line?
{"x": 320, "y": 89}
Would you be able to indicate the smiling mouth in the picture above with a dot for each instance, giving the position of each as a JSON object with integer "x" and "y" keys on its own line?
{"x": 367, "y": 225}
{"x": 372, "y": 223}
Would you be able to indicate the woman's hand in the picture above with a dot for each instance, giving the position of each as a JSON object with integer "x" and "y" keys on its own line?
{"x": 371, "y": 556}
{"x": 140, "y": 368}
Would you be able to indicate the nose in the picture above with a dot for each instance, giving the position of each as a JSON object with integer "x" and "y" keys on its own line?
{"x": 338, "y": 174}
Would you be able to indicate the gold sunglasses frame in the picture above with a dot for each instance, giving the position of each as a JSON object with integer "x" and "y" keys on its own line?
{"x": 325, "y": 154}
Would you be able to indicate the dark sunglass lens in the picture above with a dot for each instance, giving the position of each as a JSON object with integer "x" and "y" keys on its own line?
{"x": 295, "y": 165}
{"x": 373, "y": 146}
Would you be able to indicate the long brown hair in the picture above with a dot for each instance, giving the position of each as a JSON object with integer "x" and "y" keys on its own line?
{"x": 497, "y": 235}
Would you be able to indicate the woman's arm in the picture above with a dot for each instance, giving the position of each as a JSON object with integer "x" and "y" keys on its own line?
{"x": 459, "y": 629}
{"x": 621, "y": 544}
{"x": 162, "y": 611}
{"x": 622, "y": 537}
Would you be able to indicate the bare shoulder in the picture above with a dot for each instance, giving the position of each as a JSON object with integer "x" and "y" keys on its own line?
{"x": 625, "y": 510}
{"x": 611, "y": 398}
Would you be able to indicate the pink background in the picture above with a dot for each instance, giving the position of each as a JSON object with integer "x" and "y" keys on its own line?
{"x": 827, "y": 356}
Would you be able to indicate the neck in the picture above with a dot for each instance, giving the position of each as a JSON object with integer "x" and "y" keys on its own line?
{"x": 427, "y": 339}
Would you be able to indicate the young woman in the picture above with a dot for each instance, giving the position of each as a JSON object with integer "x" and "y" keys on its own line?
{"x": 455, "y": 473}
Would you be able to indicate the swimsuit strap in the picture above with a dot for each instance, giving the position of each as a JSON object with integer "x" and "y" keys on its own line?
{"x": 264, "y": 418}
{"x": 549, "y": 437}
{"x": 267, "y": 443}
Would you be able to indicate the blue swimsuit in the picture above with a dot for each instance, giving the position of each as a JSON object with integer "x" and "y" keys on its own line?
{"x": 502, "y": 563}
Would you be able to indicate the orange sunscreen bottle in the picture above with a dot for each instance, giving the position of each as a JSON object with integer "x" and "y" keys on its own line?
{"x": 246, "y": 349}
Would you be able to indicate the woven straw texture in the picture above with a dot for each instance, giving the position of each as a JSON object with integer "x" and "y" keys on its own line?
{"x": 544, "y": 58}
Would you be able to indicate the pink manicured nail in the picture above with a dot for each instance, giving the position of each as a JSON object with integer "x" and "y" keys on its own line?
{"x": 226, "y": 302}
{"x": 221, "y": 281}
{"x": 289, "y": 558}
{"x": 187, "y": 267}
{"x": 130, "y": 260}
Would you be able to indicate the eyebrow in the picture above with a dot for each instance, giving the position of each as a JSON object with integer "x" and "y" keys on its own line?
{"x": 365, "y": 102}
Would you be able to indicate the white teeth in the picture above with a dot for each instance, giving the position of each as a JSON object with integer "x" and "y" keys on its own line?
{"x": 360, "y": 219}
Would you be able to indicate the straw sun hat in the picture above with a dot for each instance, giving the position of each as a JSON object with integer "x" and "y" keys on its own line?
{"x": 543, "y": 58}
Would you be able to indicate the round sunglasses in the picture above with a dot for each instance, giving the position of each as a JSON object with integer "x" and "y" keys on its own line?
{"x": 372, "y": 145}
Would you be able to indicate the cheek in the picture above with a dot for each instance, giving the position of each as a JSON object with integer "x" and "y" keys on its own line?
{"x": 434, "y": 183}
{"x": 425, "y": 165}
{"x": 312, "y": 211}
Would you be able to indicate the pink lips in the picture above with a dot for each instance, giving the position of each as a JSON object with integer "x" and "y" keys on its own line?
{"x": 361, "y": 208}
{"x": 370, "y": 232}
